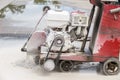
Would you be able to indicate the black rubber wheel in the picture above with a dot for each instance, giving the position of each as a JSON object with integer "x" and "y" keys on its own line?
{"x": 111, "y": 66}
{"x": 66, "y": 66}
{"x": 36, "y": 60}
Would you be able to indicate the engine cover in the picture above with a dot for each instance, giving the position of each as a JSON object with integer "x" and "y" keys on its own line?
{"x": 60, "y": 38}
{"x": 57, "y": 19}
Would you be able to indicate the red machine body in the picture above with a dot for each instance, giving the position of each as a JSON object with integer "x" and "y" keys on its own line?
{"x": 104, "y": 45}
{"x": 107, "y": 43}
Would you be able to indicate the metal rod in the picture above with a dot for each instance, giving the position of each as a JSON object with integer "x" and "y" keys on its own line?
{"x": 90, "y": 21}
{"x": 23, "y": 48}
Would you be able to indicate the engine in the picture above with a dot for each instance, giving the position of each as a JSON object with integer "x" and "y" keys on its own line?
{"x": 64, "y": 28}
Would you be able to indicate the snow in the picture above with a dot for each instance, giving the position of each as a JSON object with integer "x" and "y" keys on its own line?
{"x": 13, "y": 66}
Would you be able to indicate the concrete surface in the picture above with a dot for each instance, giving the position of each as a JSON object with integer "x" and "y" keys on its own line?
{"x": 13, "y": 66}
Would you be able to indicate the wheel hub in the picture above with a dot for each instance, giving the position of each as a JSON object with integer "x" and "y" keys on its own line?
{"x": 112, "y": 67}
{"x": 66, "y": 66}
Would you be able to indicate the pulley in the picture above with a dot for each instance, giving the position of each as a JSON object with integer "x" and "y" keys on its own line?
{"x": 59, "y": 41}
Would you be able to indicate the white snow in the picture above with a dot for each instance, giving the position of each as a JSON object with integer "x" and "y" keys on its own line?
{"x": 14, "y": 67}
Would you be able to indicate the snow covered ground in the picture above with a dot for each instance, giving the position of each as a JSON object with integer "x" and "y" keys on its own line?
{"x": 13, "y": 66}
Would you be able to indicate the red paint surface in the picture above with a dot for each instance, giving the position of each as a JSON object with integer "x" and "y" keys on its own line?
{"x": 92, "y": 2}
{"x": 72, "y": 57}
{"x": 95, "y": 2}
{"x": 75, "y": 58}
{"x": 108, "y": 39}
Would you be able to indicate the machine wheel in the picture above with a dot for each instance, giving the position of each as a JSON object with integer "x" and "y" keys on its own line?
{"x": 66, "y": 66}
{"x": 36, "y": 60}
{"x": 111, "y": 66}
{"x": 49, "y": 65}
